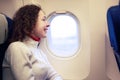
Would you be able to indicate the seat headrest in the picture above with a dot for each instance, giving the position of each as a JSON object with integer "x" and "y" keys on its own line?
{"x": 113, "y": 20}
{"x": 3, "y": 28}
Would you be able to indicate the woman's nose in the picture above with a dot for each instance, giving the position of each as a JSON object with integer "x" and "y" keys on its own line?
{"x": 47, "y": 24}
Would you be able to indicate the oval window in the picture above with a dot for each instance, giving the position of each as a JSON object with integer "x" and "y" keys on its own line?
{"x": 63, "y": 34}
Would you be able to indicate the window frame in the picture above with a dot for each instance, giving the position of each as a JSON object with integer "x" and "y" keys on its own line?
{"x": 50, "y": 18}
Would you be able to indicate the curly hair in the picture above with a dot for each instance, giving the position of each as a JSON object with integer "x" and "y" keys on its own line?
{"x": 24, "y": 21}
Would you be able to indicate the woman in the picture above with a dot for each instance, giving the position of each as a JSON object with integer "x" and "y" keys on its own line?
{"x": 23, "y": 59}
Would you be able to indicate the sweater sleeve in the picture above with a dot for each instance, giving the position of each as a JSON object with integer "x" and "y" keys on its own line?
{"x": 52, "y": 74}
{"x": 19, "y": 61}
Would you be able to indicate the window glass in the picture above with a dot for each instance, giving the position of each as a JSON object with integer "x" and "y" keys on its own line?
{"x": 62, "y": 36}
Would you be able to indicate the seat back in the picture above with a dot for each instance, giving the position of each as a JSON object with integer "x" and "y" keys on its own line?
{"x": 5, "y": 33}
{"x": 3, "y": 28}
{"x": 113, "y": 20}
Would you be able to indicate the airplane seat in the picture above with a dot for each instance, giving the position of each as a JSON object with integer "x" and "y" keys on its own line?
{"x": 113, "y": 21}
{"x": 5, "y": 33}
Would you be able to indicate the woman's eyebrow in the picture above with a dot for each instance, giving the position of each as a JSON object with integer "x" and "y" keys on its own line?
{"x": 44, "y": 17}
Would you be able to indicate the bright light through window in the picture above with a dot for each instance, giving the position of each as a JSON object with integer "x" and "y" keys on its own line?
{"x": 63, "y": 38}
{"x": 68, "y": 29}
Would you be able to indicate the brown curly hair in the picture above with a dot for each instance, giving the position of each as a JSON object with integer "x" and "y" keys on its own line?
{"x": 24, "y": 21}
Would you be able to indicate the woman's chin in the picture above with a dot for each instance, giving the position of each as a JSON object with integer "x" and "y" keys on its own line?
{"x": 44, "y": 36}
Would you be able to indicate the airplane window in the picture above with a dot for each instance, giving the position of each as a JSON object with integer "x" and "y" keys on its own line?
{"x": 63, "y": 38}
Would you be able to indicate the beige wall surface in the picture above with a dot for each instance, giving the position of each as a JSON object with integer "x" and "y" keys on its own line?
{"x": 9, "y": 7}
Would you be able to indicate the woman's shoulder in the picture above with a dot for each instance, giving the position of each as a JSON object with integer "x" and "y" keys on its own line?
{"x": 18, "y": 45}
{"x": 16, "y": 42}
{"x": 16, "y": 50}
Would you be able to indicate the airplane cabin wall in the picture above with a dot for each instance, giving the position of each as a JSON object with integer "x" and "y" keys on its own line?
{"x": 77, "y": 67}
{"x": 101, "y": 66}
{"x": 103, "y": 63}
{"x": 111, "y": 65}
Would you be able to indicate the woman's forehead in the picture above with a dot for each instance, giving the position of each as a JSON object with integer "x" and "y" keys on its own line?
{"x": 42, "y": 14}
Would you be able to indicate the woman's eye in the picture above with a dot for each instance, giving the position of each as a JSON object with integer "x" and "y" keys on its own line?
{"x": 43, "y": 19}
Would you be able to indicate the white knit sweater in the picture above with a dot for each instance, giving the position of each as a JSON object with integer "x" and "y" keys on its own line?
{"x": 25, "y": 61}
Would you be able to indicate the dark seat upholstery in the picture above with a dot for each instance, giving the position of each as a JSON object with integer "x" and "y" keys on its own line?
{"x": 5, "y": 33}
{"x": 113, "y": 20}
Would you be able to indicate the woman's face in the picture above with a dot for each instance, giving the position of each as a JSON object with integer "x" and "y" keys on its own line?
{"x": 41, "y": 26}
